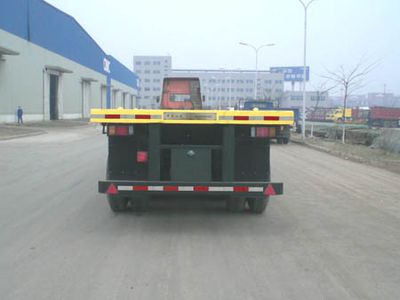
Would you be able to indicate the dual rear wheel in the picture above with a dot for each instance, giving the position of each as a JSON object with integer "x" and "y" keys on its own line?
{"x": 257, "y": 205}
{"x": 120, "y": 203}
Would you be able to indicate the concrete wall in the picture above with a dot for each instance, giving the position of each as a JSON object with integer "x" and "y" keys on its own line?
{"x": 24, "y": 81}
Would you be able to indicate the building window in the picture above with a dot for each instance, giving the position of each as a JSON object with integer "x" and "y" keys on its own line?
{"x": 156, "y": 80}
{"x": 249, "y": 81}
{"x": 268, "y": 81}
{"x": 156, "y": 63}
{"x": 147, "y": 63}
{"x": 147, "y": 71}
{"x": 138, "y": 63}
{"x": 147, "y": 80}
{"x": 156, "y": 89}
{"x": 156, "y": 71}
{"x": 138, "y": 72}
{"x": 147, "y": 89}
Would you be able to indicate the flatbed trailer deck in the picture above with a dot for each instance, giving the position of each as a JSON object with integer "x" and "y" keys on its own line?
{"x": 180, "y": 152}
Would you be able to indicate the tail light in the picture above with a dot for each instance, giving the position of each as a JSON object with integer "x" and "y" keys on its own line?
{"x": 142, "y": 156}
{"x": 263, "y": 132}
{"x": 120, "y": 130}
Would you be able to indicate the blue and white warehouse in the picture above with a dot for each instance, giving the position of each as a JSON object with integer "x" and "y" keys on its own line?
{"x": 53, "y": 69}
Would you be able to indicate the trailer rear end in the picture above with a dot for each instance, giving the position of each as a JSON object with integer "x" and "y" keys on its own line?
{"x": 217, "y": 154}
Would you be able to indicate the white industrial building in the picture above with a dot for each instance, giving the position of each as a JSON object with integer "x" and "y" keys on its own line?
{"x": 52, "y": 68}
{"x": 221, "y": 88}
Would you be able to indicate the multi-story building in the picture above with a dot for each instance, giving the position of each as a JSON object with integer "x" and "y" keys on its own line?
{"x": 221, "y": 88}
{"x": 294, "y": 99}
{"x": 151, "y": 71}
{"x": 230, "y": 88}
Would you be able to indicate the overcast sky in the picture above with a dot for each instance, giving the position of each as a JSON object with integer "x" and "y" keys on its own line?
{"x": 205, "y": 34}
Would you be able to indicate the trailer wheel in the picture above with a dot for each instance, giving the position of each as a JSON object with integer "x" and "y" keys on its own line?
{"x": 236, "y": 204}
{"x": 117, "y": 203}
{"x": 258, "y": 205}
{"x": 139, "y": 204}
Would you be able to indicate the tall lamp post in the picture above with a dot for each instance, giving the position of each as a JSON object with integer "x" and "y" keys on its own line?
{"x": 256, "y": 49}
{"x": 303, "y": 122}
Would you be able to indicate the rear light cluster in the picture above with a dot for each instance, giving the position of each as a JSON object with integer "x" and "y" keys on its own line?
{"x": 263, "y": 132}
{"x": 120, "y": 130}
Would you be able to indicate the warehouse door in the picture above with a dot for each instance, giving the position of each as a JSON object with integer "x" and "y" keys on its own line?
{"x": 125, "y": 101}
{"x": 132, "y": 101}
{"x": 114, "y": 100}
{"x": 85, "y": 99}
{"x": 103, "y": 91}
{"x": 54, "y": 97}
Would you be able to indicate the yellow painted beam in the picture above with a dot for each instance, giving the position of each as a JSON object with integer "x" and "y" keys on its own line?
{"x": 149, "y": 116}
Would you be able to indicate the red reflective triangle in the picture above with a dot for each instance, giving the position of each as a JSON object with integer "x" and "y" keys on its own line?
{"x": 112, "y": 190}
{"x": 269, "y": 191}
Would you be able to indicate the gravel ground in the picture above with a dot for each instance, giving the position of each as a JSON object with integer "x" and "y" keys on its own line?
{"x": 358, "y": 153}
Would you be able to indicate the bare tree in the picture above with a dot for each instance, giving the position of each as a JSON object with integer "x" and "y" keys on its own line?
{"x": 322, "y": 89}
{"x": 350, "y": 80}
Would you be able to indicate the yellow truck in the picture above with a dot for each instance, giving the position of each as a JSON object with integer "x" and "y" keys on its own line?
{"x": 336, "y": 115}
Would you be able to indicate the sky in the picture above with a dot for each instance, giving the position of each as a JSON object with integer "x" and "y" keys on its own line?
{"x": 206, "y": 34}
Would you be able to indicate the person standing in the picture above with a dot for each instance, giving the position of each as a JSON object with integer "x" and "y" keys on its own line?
{"x": 20, "y": 113}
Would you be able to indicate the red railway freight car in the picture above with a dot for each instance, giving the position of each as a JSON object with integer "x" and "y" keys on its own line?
{"x": 359, "y": 115}
{"x": 384, "y": 116}
{"x": 318, "y": 114}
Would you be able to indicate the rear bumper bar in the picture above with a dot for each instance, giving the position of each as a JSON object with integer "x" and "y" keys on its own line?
{"x": 123, "y": 187}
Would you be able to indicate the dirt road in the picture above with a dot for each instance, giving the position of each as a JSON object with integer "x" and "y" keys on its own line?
{"x": 334, "y": 234}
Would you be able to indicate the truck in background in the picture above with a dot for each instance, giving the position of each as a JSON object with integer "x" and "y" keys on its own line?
{"x": 337, "y": 115}
{"x": 384, "y": 116}
{"x": 181, "y": 93}
{"x": 283, "y": 136}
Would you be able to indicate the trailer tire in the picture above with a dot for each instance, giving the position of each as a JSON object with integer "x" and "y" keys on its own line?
{"x": 139, "y": 204}
{"x": 236, "y": 204}
{"x": 258, "y": 205}
{"x": 117, "y": 203}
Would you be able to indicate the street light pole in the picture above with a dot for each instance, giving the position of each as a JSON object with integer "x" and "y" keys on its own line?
{"x": 303, "y": 123}
{"x": 256, "y": 49}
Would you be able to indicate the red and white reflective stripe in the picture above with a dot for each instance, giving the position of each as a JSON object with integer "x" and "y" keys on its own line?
{"x": 252, "y": 118}
{"x": 195, "y": 188}
{"x": 133, "y": 116}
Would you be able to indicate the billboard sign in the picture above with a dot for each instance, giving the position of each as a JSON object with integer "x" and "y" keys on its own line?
{"x": 292, "y": 74}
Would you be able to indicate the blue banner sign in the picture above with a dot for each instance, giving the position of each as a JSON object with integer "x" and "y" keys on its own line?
{"x": 292, "y": 74}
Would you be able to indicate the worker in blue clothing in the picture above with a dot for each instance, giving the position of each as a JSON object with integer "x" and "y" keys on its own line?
{"x": 20, "y": 113}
